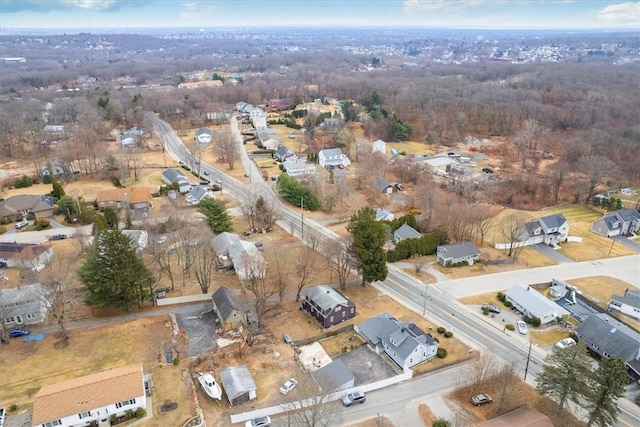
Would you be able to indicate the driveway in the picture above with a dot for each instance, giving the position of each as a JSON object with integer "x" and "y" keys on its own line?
{"x": 549, "y": 252}
{"x": 199, "y": 328}
{"x": 366, "y": 366}
{"x": 625, "y": 241}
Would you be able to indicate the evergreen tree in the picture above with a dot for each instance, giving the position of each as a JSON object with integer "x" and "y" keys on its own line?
{"x": 608, "y": 385}
{"x": 113, "y": 273}
{"x": 216, "y": 216}
{"x": 563, "y": 374}
{"x": 99, "y": 224}
{"x": 368, "y": 241}
{"x": 57, "y": 190}
{"x": 111, "y": 217}
{"x": 67, "y": 206}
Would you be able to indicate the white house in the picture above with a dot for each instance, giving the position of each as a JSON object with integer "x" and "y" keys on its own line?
{"x": 384, "y": 215}
{"x": 533, "y": 304}
{"x": 203, "y": 136}
{"x": 198, "y": 193}
{"x": 379, "y": 146}
{"x": 549, "y": 230}
{"x": 404, "y": 342}
{"x": 624, "y": 221}
{"x": 25, "y": 255}
{"x": 629, "y": 303}
{"x": 95, "y": 397}
{"x": 271, "y": 143}
{"x": 170, "y": 176}
{"x": 297, "y": 167}
{"x": 333, "y": 157}
{"x": 24, "y": 305}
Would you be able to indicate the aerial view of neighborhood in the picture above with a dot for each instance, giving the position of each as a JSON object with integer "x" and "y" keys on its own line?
{"x": 418, "y": 213}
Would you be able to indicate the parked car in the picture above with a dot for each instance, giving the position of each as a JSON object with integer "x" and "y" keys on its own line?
{"x": 162, "y": 239}
{"x": 3, "y": 416}
{"x": 289, "y": 385}
{"x": 354, "y": 398}
{"x": 481, "y": 399}
{"x": 399, "y": 187}
{"x": 287, "y": 338}
{"x": 17, "y": 333}
{"x": 340, "y": 166}
{"x": 22, "y": 224}
{"x": 567, "y": 342}
{"x": 58, "y": 237}
{"x": 205, "y": 173}
{"x": 522, "y": 327}
{"x": 492, "y": 308}
{"x": 487, "y": 170}
{"x": 259, "y": 422}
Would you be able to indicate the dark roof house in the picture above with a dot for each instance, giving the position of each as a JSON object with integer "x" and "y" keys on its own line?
{"x": 25, "y": 255}
{"x": 334, "y": 376}
{"x": 328, "y": 306}
{"x": 17, "y": 206}
{"x": 228, "y": 309}
{"x": 629, "y": 303}
{"x": 405, "y": 232}
{"x": 619, "y": 223}
{"x": 384, "y": 186}
{"x": 455, "y": 253}
{"x": 238, "y": 384}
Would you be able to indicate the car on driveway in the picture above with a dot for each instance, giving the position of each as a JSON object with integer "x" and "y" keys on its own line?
{"x": 289, "y": 385}
{"x": 491, "y": 308}
{"x": 522, "y": 327}
{"x": 481, "y": 399}
{"x": 399, "y": 187}
{"x": 58, "y": 237}
{"x": 17, "y": 333}
{"x": 162, "y": 239}
{"x": 354, "y": 398}
{"x": 206, "y": 173}
{"x": 567, "y": 342}
{"x": 258, "y": 422}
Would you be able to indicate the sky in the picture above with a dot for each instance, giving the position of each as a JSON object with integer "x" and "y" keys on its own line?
{"x": 504, "y": 14}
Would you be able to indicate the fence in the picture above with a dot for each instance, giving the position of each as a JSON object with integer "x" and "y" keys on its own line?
{"x": 323, "y": 335}
{"x": 183, "y": 300}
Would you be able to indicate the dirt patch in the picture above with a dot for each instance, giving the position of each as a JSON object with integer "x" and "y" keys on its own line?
{"x": 380, "y": 421}
{"x": 599, "y": 289}
{"x": 426, "y": 415}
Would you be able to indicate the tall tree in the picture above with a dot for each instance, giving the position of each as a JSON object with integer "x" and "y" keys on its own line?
{"x": 340, "y": 259}
{"x": 595, "y": 168}
{"x": 305, "y": 269}
{"x": 563, "y": 375}
{"x": 113, "y": 273}
{"x": 512, "y": 233}
{"x": 608, "y": 383}
{"x": 368, "y": 241}
{"x": 216, "y": 215}
{"x": 203, "y": 265}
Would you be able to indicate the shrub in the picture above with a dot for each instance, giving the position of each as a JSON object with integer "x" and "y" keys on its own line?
{"x": 508, "y": 304}
{"x": 13, "y": 407}
{"x": 441, "y": 422}
{"x": 436, "y": 339}
{"x": 176, "y": 361}
{"x": 442, "y": 353}
{"x": 23, "y": 181}
{"x": 47, "y": 179}
{"x": 30, "y": 216}
{"x": 485, "y": 311}
{"x": 500, "y": 296}
{"x": 510, "y": 327}
{"x": 140, "y": 413}
{"x": 3, "y": 229}
{"x": 448, "y": 334}
{"x": 116, "y": 182}
{"x": 535, "y": 321}
{"x": 527, "y": 319}
{"x": 441, "y": 330}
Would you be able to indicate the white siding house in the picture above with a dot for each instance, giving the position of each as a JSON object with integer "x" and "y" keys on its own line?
{"x": 332, "y": 157}
{"x": 533, "y": 304}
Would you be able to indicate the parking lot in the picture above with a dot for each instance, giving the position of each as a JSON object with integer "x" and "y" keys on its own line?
{"x": 199, "y": 327}
{"x": 366, "y": 366}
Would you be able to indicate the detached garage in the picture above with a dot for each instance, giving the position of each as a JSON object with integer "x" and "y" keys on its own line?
{"x": 238, "y": 385}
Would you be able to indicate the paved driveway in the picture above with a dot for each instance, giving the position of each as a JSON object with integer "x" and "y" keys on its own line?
{"x": 631, "y": 244}
{"x": 549, "y": 252}
{"x": 199, "y": 327}
{"x": 366, "y": 366}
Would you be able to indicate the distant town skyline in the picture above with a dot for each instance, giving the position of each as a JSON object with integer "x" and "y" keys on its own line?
{"x": 206, "y": 14}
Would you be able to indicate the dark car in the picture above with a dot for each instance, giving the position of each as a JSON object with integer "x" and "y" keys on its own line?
{"x": 354, "y": 398}
{"x": 3, "y": 264}
{"x": 487, "y": 170}
{"x": 481, "y": 399}
{"x": 58, "y": 237}
{"x": 17, "y": 333}
{"x": 399, "y": 187}
{"x": 491, "y": 308}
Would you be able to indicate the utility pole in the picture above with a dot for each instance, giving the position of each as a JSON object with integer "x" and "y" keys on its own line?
{"x": 302, "y": 217}
{"x": 526, "y": 368}
{"x": 424, "y": 306}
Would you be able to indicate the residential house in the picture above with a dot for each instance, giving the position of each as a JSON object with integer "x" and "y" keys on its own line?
{"x": 25, "y": 255}
{"x": 92, "y": 398}
{"x": 54, "y": 130}
{"x": 384, "y": 186}
{"x": 271, "y": 143}
{"x": 23, "y": 305}
{"x": 532, "y": 303}
{"x": 136, "y": 198}
{"x": 405, "y": 232}
{"x": 334, "y": 376}
{"x": 228, "y": 309}
{"x": 458, "y": 252}
{"x": 330, "y": 125}
{"x": 549, "y": 230}
{"x": 131, "y": 137}
{"x": 629, "y": 303}
{"x": 609, "y": 337}
{"x": 15, "y": 208}
{"x": 379, "y": 146}
{"x": 618, "y": 223}
{"x": 440, "y": 164}
{"x": 384, "y": 215}
{"x": 238, "y": 385}
{"x": 244, "y": 256}
{"x": 404, "y": 342}
{"x": 53, "y": 168}
{"x": 332, "y": 157}
{"x": 298, "y": 167}
{"x": 139, "y": 238}
{"x": 521, "y": 417}
{"x": 198, "y": 193}
{"x": 203, "y": 136}
{"x": 170, "y": 176}
{"x": 328, "y": 306}
{"x": 283, "y": 153}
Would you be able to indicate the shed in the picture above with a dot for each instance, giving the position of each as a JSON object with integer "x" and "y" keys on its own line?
{"x": 334, "y": 377}
{"x": 238, "y": 385}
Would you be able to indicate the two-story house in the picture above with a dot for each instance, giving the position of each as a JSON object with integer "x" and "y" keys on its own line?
{"x": 25, "y": 305}
{"x": 550, "y": 230}
{"x": 203, "y": 136}
{"x": 332, "y": 157}
{"x": 618, "y": 223}
{"x": 328, "y": 306}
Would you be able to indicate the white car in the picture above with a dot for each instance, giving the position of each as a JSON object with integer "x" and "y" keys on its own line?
{"x": 567, "y": 342}
{"x": 289, "y": 385}
{"x": 522, "y": 327}
{"x": 162, "y": 239}
{"x": 258, "y": 422}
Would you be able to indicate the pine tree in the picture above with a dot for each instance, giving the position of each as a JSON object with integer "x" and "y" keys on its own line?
{"x": 368, "y": 241}
{"x": 608, "y": 385}
{"x": 216, "y": 216}
{"x": 114, "y": 274}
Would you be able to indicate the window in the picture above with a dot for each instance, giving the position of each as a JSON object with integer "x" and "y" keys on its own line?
{"x": 125, "y": 403}
{"x": 31, "y": 316}
{"x": 9, "y": 319}
{"x": 86, "y": 414}
{"x": 338, "y": 308}
{"x": 331, "y": 319}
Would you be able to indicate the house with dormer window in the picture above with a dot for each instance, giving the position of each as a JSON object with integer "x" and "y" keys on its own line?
{"x": 619, "y": 223}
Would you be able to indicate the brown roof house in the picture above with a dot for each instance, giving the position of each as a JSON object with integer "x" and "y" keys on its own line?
{"x": 25, "y": 255}
{"x": 98, "y": 397}
{"x": 137, "y": 198}
{"x": 15, "y": 207}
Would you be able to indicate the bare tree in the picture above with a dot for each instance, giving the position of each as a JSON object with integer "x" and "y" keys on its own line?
{"x": 595, "y": 168}
{"x": 507, "y": 379}
{"x": 311, "y": 404}
{"x": 255, "y": 281}
{"x": 556, "y": 178}
{"x": 340, "y": 259}
{"x": 266, "y": 211}
{"x": 280, "y": 272}
{"x": 204, "y": 264}
{"x": 513, "y": 233}
{"x": 418, "y": 263}
{"x": 482, "y": 216}
{"x": 227, "y": 149}
{"x": 530, "y": 143}
{"x": 475, "y": 373}
{"x": 305, "y": 269}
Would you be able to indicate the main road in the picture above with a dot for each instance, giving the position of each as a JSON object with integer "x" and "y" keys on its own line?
{"x": 437, "y": 301}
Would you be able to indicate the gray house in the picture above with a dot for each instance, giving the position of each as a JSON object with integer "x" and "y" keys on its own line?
{"x": 23, "y": 305}
{"x": 384, "y": 215}
{"x": 384, "y": 186}
{"x": 171, "y": 176}
{"x": 405, "y": 232}
{"x": 25, "y": 255}
{"x": 629, "y": 303}
{"x": 238, "y": 385}
{"x": 619, "y": 223}
{"x": 532, "y": 303}
{"x": 609, "y": 337}
{"x": 404, "y": 342}
{"x": 454, "y": 253}
{"x": 334, "y": 376}
{"x": 228, "y": 309}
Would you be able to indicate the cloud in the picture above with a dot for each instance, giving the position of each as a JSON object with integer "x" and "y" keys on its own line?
{"x": 44, "y": 6}
{"x": 193, "y": 11}
{"x": 621, "y": 14}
